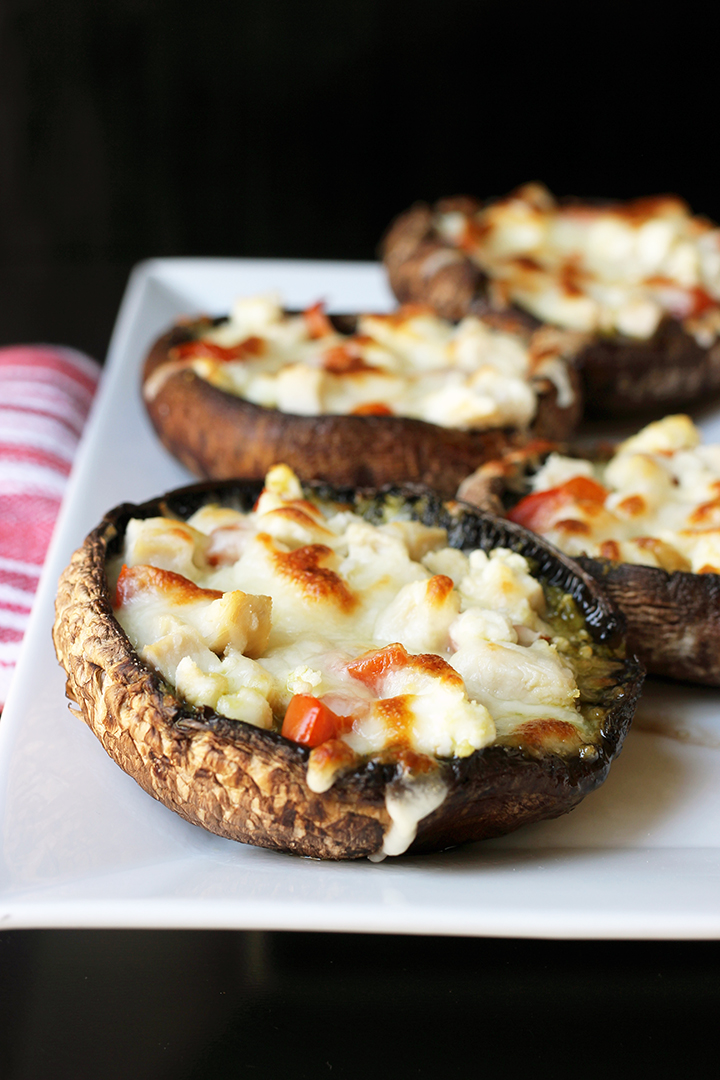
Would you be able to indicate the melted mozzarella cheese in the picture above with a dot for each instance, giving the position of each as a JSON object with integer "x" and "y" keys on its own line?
{"x": 410, "y": 364}
{"x": 617, "y": 268}
{"x": 420, "y": 615}
{"x": 407, "y": 805}
{"x": 662, "y": 506}
{"x": 421, "y": 646}
{"x": 501, "y": 581}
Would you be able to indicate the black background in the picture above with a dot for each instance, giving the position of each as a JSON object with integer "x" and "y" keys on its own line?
{"x": 298, "y": 128}
{"x": 174, "y": 1005}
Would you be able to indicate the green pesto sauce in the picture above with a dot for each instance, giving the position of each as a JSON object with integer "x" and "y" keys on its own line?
{"x": 597, "y": 666}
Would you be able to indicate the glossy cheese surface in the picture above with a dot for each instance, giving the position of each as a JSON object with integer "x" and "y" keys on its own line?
{"x": 656, "y": 502}
{"x": 617, "y": 268}
{"x": 410, "y": 363}
{"x": 421, "y": 649}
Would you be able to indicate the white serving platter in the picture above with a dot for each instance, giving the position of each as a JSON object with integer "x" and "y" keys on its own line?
{"x": 83, "y": 846}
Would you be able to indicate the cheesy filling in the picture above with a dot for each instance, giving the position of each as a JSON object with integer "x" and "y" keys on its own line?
{"x": 411, "y": 364}
{"x": 612, "y": 269}
{"x": 424, "y": 652}
{"x": 656, "y": 502}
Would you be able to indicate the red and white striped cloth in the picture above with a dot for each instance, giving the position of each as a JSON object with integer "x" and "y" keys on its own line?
{"x": 45, "y": 396}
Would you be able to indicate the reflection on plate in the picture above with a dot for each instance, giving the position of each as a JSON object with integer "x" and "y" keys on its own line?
{"x": 82, "y": 845}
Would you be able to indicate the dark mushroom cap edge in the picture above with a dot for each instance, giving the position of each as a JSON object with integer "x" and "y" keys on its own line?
{"x": 249, "y": 784}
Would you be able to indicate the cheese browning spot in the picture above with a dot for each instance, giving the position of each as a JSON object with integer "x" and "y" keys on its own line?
{"x": 299, "y": 514}
{"x": 668, "y": 558}
{"x": 549, "y": 736}
{"x": 326, "y": 762}
{"x": 293, "y": 522}
{"x": 134, "y": 580}
{"x": 344, "y": 360}
{"x": 633, "y": 506}
{"x": 707, "y": 514}
{"x": 571, "y": 525}
{"x": 404, "y": 313}
{"x": 303, "y": 568}
{"x": 412, "y": 763}
{"x": 397, "y": 717}
{"x": 440, "y": 586}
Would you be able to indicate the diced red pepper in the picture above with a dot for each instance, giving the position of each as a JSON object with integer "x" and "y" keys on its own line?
{"x": 344, "y": 360}
{"x": 318, "y": 324}
{"x": 121, "y": 589}
{"x": 252, "y": 346}
{"x": 311, "y": 723}
{"x": 372, "y": 667}
{"x": 373, "y": 408}
{"x": 537, "y": 511}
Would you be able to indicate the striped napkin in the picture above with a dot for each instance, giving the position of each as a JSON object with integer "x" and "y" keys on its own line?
{"x": 45, "y": 396}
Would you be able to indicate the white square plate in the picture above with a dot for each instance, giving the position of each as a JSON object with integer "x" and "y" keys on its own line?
{"x": 82, "y": 845}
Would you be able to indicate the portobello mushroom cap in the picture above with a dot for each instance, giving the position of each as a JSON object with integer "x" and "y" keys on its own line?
{"x": 220, "y": 435}
{"x": 621, "y": 375}
{"x": 249, "y": 784}
{"x": 672, "y": 617}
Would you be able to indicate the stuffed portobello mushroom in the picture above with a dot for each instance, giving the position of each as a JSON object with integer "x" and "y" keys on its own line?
{"x": 643, "y": 518}
{"x": 641, "y": 281}
{"x": 339, "y": 672}
{"x": 368, "y": 399}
